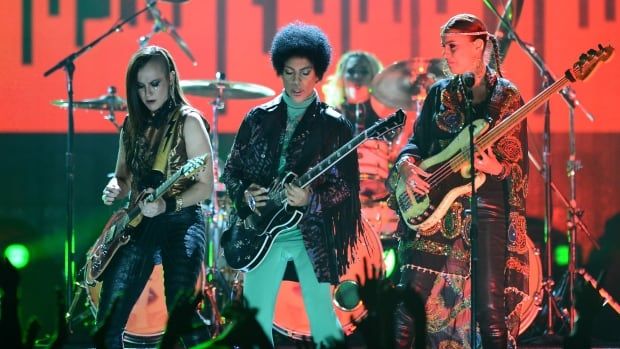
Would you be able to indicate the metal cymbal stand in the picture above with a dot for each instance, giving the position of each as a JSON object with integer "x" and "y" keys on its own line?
{"x": 111, "y": 96}
{"x": 215, "y": 216}
{"x": 217, "y": 105}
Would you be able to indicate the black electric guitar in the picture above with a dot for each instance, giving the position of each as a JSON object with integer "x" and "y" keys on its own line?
{"x": 117, "y": 231}
{"x": 449, "y": 169}
{"x": 246, "y": 242}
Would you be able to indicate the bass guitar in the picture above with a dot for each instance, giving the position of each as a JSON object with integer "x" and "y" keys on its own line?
{"x": 117, "y": 231}
{"x": 246, "y": 242}
{"x": 449, "y": 169}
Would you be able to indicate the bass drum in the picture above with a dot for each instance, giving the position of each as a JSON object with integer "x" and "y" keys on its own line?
{"x": 374, "y": 170}
{"x": 290, "y": 316}
{"x": 381, "y": 218}
{"x": 148, "y": 317}
{"x": 531, "y": 307}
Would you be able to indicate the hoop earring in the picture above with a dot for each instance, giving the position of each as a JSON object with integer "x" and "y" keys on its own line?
{"x": 480, "y": 67}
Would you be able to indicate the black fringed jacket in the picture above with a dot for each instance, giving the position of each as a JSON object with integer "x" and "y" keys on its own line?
{"x": 331, "y": 220}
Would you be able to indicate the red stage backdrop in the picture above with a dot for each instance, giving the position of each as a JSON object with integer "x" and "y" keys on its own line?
{"x": 234, "y": 37}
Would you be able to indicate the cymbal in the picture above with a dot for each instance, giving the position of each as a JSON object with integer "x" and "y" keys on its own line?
{"x": 109, "y": 102}
{"x": 226, "y": 89}
{"x": 403, "y": 83}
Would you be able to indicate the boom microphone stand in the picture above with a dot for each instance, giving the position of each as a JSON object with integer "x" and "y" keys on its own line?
{"x": 569, "y": 97}
{"x": 466, "y": 82}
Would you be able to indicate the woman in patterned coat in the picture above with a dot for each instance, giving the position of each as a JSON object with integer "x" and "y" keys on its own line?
{"x": 436, "y": 260}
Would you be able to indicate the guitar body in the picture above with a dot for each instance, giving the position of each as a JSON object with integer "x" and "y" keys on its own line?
{"x": 423, "y": 212}
{"x": 246, "y": 242}
{"x": 117, "y": 230}
{"x": 115, "y": 234}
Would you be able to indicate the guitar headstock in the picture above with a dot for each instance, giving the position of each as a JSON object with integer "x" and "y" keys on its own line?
{"x": 194, "y": 164}
{"x": 383, "y": 126}
{"x": 583, "y": 68}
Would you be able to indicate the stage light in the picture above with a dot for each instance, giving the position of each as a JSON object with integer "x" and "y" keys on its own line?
{"x": 561, "y": 255}
{"x": 389, "y": 258}
{"x": 18, "y": 255}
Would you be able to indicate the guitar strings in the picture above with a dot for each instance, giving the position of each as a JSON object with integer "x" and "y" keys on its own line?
{"x": 445, "y": 170}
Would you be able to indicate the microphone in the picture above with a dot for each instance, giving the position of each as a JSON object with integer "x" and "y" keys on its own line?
{"x": 162, "y": 25}
{"x": 467, "y": 80}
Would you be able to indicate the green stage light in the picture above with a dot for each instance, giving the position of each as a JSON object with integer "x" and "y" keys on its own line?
{"x": 18, "y": 255}
{"x": 561, "y": 255}
{"x": 389, "y": 258}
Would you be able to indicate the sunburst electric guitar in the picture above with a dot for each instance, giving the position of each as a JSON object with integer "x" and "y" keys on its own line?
{"x": 246, "y": 242}
{"x": 449, "y": 169}
{"x": 118, "y": 229}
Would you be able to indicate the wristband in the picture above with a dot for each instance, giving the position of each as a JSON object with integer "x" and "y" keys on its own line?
{"x": 179, "y": 203}
{"x": 170, "y": 204}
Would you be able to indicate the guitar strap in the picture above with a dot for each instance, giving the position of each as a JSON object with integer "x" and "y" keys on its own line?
{"x": 165, "y": 144}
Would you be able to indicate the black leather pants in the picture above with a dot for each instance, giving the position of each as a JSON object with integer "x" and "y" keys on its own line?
{"x": 179, "y": 238}
{"x": 490, "y": 286}
{"x": 491, "y": 309}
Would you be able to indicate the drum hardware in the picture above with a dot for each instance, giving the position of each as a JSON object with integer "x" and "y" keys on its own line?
{"x": 347, "y": 296}
{"x": 109, "y": 102}
{"x": 216, "y": 320}
{"x": 403, "y": 83}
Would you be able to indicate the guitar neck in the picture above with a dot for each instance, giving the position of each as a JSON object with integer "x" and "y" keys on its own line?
{"x": 163, "y": 188}
{"x": 519, "y": 115}
{"x": 159, "y": 192}
{"x": 333, "y": 159}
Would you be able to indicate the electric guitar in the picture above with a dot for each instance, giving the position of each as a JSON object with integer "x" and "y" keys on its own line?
{"x": 449, "y": 169}
{"x": 118, "y": 229}
{"x": 246, "y": 242}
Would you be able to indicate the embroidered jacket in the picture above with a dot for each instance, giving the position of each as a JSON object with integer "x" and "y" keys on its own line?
{"x": 441, "y": 119}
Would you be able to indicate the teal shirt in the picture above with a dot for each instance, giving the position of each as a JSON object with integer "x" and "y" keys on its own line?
{"x": 294, "y": 112}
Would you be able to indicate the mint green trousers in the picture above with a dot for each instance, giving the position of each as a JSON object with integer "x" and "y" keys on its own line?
{"x": 261, "y": 287}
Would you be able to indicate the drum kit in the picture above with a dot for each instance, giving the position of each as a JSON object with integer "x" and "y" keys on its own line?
{"x": 400, "y": 85}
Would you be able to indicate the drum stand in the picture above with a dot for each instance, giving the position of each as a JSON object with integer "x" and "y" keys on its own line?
{"x": 216, "y": 222}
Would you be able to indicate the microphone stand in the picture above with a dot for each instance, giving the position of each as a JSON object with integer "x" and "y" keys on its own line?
{"x": 161, "y": 24}
{"x": 569, "y": 97}
{"x": 473, "y": 230}
{"x": 68, "y": 65}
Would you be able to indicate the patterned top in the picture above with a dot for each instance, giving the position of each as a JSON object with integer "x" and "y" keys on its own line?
{"x": 166, "y": 131}
{"x": 441, "y": 120}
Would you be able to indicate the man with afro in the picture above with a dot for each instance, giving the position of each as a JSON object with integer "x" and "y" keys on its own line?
{"x": 292, "y": 133}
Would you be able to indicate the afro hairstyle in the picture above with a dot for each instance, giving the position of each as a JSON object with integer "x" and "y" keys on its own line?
{"x": 299, "y": 39}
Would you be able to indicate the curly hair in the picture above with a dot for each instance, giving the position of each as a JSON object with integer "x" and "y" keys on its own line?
{"x": 299, "y": 39}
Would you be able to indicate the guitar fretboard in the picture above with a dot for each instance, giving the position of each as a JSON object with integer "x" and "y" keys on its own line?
{"x": 378, "y": 129}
